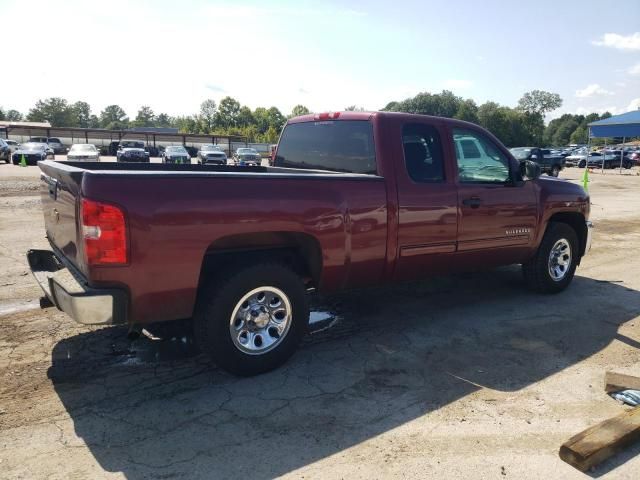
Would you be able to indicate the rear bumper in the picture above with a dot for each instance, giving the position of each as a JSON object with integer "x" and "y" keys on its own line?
{"x": 68, "y": 291}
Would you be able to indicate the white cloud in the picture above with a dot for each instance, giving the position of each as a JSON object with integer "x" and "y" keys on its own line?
{"x": 613, "y": 110}
{"x": 634, "y": 105}
{"x": 457, "y": 84}
{"x": 635, "y": 70}
{"x": 593, "y": 90}
{"x": 621, "y": 42}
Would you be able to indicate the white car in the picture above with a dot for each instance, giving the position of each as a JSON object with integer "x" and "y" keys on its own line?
{"x": 83, "y": 152}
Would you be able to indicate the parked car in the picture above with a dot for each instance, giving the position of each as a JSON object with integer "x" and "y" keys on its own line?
{"x": 192, "y": 151}
{"x": 132, "y": 151}
{"x": 580, "y": 159}
{"x": 113, "y": 148}
{"x": 83, "y": 152}
{"x": 13, "y": 145}
{"x": 238, "y": 252}
{"x": 551, "y": 162}
{"x": 175, "y": 154}
{"x": 247, "y": 157}
{"x": 212, "y": 154}
{"x": 616, "y": 157}
{"x": 5, "y": 150}
{"x": 33, "y": 152}
{"x": 53, "y": 142}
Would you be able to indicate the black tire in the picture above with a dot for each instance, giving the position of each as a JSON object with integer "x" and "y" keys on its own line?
{"x": 217, "y": 301}
{"x": 582, "y": 164}
{"x": 536, "y": 271}
{"x": 555, "y": 171}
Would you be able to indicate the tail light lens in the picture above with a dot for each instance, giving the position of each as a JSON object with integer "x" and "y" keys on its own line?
{"x": 104, "y": 232}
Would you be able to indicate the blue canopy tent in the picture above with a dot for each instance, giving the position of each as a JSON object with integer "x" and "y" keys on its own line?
{"x": 624, "y": 125}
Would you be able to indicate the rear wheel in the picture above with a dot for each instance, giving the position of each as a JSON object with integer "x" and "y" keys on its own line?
{"x": 553, "y": 266}
{"x": 555, "y": 171}
{"x": 252, "y": 321}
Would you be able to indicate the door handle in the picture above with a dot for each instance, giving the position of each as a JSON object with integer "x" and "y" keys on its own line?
{"x": 473, "y": 202}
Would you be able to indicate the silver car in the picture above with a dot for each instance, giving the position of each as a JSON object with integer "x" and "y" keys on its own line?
{"x": 83, "y": 152}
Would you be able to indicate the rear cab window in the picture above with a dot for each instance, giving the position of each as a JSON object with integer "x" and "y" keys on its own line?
{"x": 335, "y": 145}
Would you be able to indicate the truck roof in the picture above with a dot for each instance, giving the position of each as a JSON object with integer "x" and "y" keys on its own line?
{"x": 352, "y": 115}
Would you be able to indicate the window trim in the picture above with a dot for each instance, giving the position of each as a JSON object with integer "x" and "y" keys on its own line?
{"x": 477, "y": 133}
{"x": 442, "y": 153}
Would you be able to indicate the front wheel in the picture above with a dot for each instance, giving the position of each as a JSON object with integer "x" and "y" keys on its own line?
{"x": 252, "y": 321}
{"x": 553, "y": 266}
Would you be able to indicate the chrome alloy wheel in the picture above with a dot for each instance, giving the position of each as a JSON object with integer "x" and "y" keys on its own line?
{"x": 559, "y": 260}
{"x": 260, "y": 320}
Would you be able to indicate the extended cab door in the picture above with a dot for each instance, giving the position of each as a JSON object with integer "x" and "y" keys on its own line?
{"x": 427, "y": 199}
{"x": 497, "y": 214}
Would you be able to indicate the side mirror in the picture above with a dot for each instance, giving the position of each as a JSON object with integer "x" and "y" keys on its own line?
{"x": 530, "y": 170}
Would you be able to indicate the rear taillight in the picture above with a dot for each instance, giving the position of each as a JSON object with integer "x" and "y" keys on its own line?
{"x": 104, "y": 232}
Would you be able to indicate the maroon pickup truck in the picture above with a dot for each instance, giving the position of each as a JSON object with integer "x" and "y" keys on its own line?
{"x": 354, "y": 199}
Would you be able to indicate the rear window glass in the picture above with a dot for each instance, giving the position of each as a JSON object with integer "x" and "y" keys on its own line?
{"x": 338, "y": 146}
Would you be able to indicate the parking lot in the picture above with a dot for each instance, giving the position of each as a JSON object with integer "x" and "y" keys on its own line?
{"x": 404, "y": 384}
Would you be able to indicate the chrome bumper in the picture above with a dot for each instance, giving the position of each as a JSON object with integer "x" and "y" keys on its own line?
{"x": 587, "y": 245}
{"x": 69, "y": 292}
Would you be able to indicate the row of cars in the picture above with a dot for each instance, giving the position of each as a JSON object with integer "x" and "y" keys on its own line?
{"x": 626, "y": 158}
{"x": 209, "y": 154}
{"x": 34, "y": 151}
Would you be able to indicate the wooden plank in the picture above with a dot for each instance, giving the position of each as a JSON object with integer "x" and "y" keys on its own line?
{"x": 614, "y": 382}
{"x": 597, "y": 443}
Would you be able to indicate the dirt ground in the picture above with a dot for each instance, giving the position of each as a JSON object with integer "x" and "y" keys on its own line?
{"x": 469, "y": 376}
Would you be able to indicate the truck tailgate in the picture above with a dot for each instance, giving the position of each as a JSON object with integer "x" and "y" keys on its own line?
{"x": 60, "y": 190}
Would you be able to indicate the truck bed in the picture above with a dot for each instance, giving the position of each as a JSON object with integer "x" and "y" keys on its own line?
{"x": 179, "y": 215}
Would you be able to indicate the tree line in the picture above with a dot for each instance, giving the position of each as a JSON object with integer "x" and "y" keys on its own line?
{"x": 514, "y": 126}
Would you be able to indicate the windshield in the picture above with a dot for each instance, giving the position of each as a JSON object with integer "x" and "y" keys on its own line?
{"x": 249, "y": 151}
{"x": 34, "y": 146}
{"x": 83, "y": 148}
{"x": 176, "y": 150}
{"x": 210, "y": 148}
{"x": 521, "y": 153}
{"x": 132, "y": 144}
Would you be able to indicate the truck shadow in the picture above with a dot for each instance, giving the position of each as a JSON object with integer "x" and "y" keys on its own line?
{"x": 396, "y": 354}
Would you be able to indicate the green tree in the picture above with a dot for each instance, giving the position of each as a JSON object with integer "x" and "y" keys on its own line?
{"x": 13, "y": 116}
{"x": 276, "y": 119}
{"x": 228, "y": 111}
{"x": 467, "y": 111}
{"x": 208, "y": 110}
{"x": 54, "y": 110}
{"x": 245, "y": 117}
{"x": 579, "y": 135}
{"x": 539, "y": 101}
{"x": 145, "y": 117}
{"x": 261, "y": 119}
{"x": 563, "y": 134}
{"x": 82, "y": 117}
{"x": 3, "y": 116}
{"x": 164, "y": 120}
{"x": 299, "y": 110}
{"x": 353, "y": 108}
{"x": 114, "y": 117}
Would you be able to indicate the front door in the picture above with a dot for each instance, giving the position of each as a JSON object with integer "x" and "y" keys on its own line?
{"x": 497, "y": 215}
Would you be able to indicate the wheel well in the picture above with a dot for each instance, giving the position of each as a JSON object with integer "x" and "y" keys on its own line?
{"x": 299, "y": 251}
{"x": 576, "y": 221}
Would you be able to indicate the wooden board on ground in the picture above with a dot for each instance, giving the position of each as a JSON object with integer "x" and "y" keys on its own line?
{"x": 614, "y": 382}
{"x": 597, "y": 443}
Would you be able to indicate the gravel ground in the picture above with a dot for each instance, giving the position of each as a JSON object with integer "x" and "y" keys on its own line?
{"x": 470, "y": 376}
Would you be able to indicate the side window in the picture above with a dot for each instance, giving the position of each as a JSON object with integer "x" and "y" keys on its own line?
{"x": 422, "y": 153}
{"x": 479, "y": 159}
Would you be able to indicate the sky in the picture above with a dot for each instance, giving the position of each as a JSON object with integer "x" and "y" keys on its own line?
{"x": 325, "y": 55}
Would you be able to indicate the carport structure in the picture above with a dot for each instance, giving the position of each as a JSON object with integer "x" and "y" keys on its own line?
{"x": 150, "y": 136}
{"x": 625, "y": 125}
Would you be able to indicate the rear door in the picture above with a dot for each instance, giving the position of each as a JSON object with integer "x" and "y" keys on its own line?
{"x": 427, "y": 199}
{"x": 497, "y": 216}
